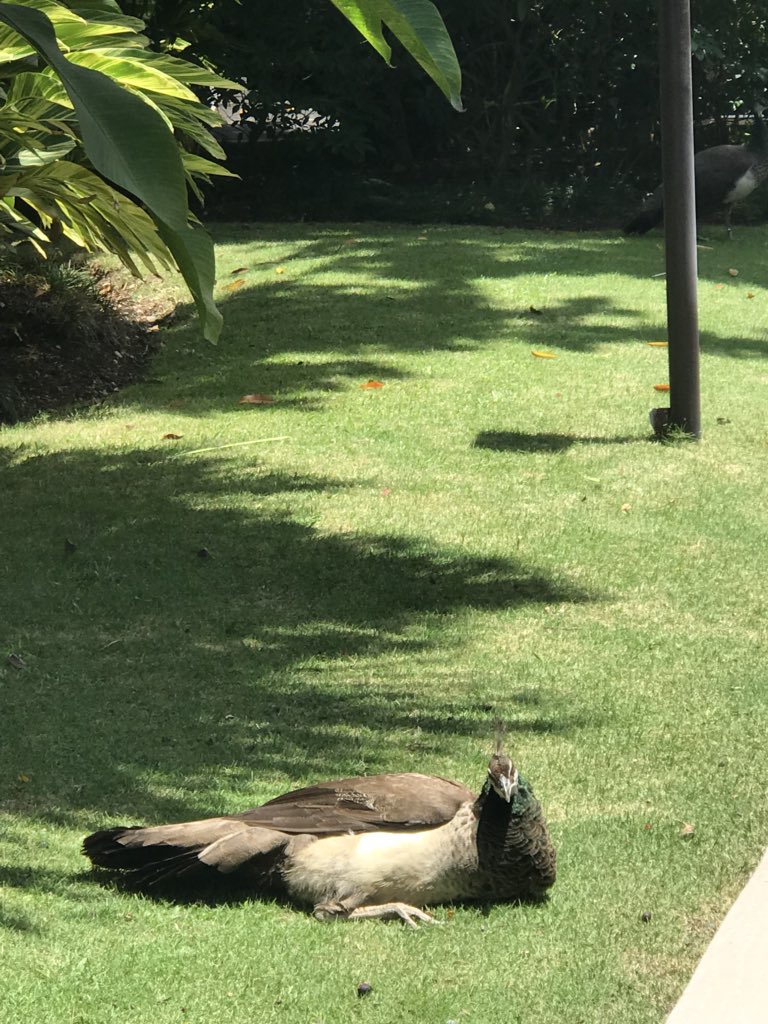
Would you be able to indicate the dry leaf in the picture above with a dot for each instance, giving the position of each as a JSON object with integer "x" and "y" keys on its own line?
{"x": 733, "y": 272}
{"x": 750, "y": 295}
{"x": 22, "y": 777}
{"x": 172, "y": 437}
{"x": 234, "y": 285}
{"x": 256, "y": 400}
{"x": 661, "y": 387}
{"x": 421, "y": 238}
{"x": 371, "y": 384}
{"x": 386, "y": 491}
{"x": 279, "y": 270}
{"x": 532, "y": 309}
{"x": 543, "y": 355}
{"x": 718, "y": 287}
{"x": 626, "y": 507}
{"x": 687, "y": 830}
{"x": 130, "y": 426}
{"x": 657, "y": 344}
{"x": 490, "y": 207}
{"x": 16, "y": 661}
{"x": 647, "y": 826}
{"x": 239, "y": 270}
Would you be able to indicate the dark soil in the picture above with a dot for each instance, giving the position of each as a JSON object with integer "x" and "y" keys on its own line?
{"x": 68, "y": 337}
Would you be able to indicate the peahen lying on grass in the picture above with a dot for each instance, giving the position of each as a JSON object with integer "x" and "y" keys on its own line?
{"x": 724, "y": 175}
{"x": 373, "y": 846}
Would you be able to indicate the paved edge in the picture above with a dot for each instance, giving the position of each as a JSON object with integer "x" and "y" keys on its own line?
{"x": 730, "y": 984}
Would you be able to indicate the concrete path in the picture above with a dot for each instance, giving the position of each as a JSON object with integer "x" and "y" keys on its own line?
{"x": 730, "y": 985}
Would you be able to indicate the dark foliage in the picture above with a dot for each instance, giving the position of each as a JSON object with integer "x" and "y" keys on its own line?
{"x": 561, "y": 121}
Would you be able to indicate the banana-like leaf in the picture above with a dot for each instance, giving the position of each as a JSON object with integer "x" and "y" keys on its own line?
{"x": 91, "y": 212}
{"x": 419, "y": 27}
{"x": 173, "y": 67}
{"x": 129, "y": 143}
{"x": 72, "y": 30}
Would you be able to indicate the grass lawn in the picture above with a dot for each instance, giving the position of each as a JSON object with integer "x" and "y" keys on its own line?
{"x": 365, "y": 589}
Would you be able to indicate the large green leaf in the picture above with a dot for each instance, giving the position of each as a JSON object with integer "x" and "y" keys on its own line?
{"x": 129, "y": 143}
{"x": 419, "y": 27}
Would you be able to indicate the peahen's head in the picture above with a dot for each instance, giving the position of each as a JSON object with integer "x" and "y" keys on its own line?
{"x": 502, "y": 776}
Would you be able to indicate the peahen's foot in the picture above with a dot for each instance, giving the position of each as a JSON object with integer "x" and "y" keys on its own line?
{"x": 406, "y": 913}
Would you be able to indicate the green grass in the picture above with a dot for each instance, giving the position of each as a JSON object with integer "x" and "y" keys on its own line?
{"x": 487, "y": 534}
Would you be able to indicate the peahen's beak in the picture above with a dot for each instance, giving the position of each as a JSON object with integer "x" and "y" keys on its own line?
{"x": 508, "y": 787}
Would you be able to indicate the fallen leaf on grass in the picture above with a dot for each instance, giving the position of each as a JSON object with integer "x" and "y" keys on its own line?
{"x": 386, "y": 491}
{"x": 733, "y": 272}
{"x": 172, "y": 437}
{"x": 371, "y": 384}
{"x": 22, "y": 777}
{"x": 532, "y": 309}
{"x": 16, "y": 661}
{"x": 279, "y": 270}
{"x": 543, "y": 355}
{"x": 661, "y": 387}
{"x": 239, "y": 270}
{"x": 626, "y": 507}
{"x": 718, "y": 287}
{"x": 750, "y": 295}
{"x": 421, "y": 238}
{"x": 657, "y": 344}
{"x": 687, "y": 830}
{"x": 256, "y": 400}
{"x": 234, "y": 285}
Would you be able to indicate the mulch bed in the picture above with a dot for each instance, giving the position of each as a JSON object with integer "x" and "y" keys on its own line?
{"x": 70, "y": 341}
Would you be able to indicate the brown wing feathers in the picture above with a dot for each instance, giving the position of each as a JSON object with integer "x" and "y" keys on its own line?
{"x": 401, "y": 801}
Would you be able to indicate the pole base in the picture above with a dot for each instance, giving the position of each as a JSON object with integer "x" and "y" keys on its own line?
{"x": 659, "y": 420}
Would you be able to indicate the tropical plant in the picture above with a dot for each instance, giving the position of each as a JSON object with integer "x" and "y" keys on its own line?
{"x": 87, "y": 146}
{"x": 95, "y": 128}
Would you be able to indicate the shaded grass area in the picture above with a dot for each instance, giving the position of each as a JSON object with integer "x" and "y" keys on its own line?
{"x": 487, "y": 534}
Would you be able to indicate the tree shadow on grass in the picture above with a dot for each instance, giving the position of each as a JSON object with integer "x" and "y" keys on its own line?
{"x": 149, "y": 666}
{"x": 519, "y": 441}
{"x": 392, "y": 295}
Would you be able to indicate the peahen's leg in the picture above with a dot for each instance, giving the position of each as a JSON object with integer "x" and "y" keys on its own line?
{"x": 406, "y": 913}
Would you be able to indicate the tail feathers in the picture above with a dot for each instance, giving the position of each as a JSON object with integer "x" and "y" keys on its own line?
{"x": 171, "y": 851}
{"x": 644, "y": 221}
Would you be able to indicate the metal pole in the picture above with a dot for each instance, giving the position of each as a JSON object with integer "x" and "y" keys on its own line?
{"x": 679, "y": 215}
